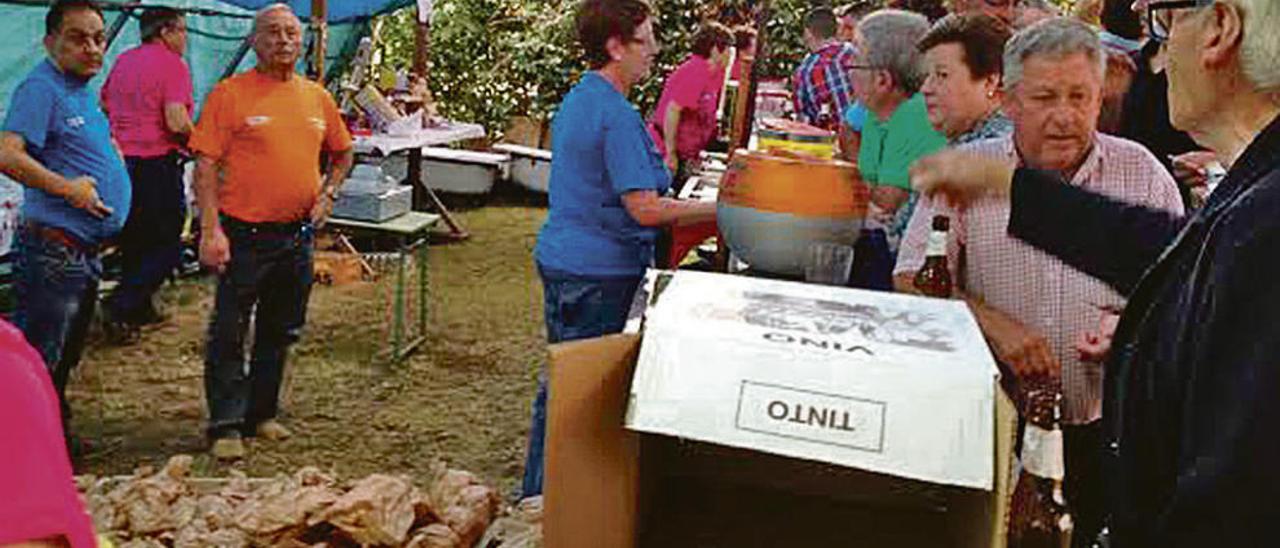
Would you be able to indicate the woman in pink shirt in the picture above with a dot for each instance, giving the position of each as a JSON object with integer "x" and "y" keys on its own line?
{"x": 39, "y": 505}
{"x": 685, "y": 120}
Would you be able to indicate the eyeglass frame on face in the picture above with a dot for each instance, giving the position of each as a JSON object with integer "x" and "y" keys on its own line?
{"x": 1157, "y": 29}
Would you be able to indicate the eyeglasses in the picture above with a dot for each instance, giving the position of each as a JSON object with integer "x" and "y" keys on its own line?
{"x": 864, "y": 67}
{"x": 1160, "y": 16}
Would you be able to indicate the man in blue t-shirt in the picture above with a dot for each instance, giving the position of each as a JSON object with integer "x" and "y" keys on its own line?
{"x": 57, "y": 143}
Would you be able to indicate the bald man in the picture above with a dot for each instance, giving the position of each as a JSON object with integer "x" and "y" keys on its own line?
{"x": 261, "y": 194}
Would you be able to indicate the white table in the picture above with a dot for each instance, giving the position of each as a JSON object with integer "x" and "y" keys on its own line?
{"x": 382, "y": 144}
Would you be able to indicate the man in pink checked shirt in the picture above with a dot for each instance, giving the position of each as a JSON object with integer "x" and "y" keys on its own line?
{"x": 148, "y": 98}
{"x": 1032, "y": 307}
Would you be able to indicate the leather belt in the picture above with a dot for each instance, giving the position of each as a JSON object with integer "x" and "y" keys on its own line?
{"x": 62, "y": 237}
{"x": 279, "y": 229}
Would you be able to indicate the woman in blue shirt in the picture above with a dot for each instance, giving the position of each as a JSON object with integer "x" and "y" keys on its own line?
{"x": 606, "y": 204}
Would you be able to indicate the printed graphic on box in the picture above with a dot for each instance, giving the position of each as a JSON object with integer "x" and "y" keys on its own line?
{"x": 909, "y": 328}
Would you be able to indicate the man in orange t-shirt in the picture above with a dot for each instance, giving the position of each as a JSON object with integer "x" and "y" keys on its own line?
{"x": 261, "y": 195}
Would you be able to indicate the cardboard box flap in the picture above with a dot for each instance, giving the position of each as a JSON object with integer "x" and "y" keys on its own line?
{"x": 889, "y": 326}
{"x": 596, "y": 476}
{"x": 880, "y": 382}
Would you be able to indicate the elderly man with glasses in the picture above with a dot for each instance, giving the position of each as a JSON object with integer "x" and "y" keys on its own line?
{"x": 1192, "y": 388}
{"x": 886, "y": 79}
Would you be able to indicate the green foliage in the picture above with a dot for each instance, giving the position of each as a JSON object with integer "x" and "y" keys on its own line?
{"x": 495, "y": 59}
{"x": 492, "y": 60}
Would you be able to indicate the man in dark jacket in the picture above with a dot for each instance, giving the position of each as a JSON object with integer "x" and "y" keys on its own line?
{"x": 1192, "y": 391}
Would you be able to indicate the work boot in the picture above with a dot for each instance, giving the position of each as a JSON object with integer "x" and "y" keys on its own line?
{"x": 272, "y": 430}
{"x": 228, "y": 446}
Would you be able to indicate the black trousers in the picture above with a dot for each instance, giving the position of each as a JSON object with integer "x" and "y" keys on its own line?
{"x": 1083, "y": 486}
{"x": 267, "y": 284}
{"x": 151, "y": 241}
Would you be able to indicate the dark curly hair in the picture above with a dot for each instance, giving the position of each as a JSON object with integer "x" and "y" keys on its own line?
{"x": 981, "y": 36}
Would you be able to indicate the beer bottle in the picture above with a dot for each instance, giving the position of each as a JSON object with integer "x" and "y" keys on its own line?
{"x": 934, "y": 279}
{"x": 825, "y": 119}
{"x": 1038, "y": 513}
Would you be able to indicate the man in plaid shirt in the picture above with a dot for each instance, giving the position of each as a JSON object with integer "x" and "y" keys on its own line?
{"x": 823, "y": 77}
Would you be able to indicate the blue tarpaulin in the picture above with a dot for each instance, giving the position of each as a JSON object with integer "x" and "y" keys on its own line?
{"x": 339, "y": 11}
{"x": 216, "y": 34}
{"x": 217, "y": 29}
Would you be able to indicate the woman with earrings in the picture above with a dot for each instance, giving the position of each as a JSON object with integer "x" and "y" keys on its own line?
{"x": 962, "y": 56}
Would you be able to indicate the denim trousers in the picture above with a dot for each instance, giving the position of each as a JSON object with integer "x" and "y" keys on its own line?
{"x": 574, "y": 308}
{"x": 57, "y": 289}
{"x": 151, "y": 241}
{"x": 268, "y": 282}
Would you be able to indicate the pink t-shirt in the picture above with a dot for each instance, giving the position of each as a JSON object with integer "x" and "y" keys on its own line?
{"x": 143, "y": 80}
{"x": 40, "y": 499}
{"x": 695, "y": 86}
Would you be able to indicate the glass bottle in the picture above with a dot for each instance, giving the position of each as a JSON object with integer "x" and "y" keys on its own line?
{"x": 1038, "y": 514}
{"x": 934, "y": 278}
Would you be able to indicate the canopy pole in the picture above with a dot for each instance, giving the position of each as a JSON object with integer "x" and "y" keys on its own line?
{"x": 745, "y": 113}
{"x": 422, "y": 194}
{"x": 116, "y": 27}
{"x": 243, "y": 50}
{"x": 421, "y": 47}
{"x": 319, "y": 36}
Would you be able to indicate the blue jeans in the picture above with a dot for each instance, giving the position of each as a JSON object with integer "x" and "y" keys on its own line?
{"x": 269, "y": 280}
{"x": 57, "y": 290}
{"x": 151, "y": 241}
{"x": 574, "y": 308}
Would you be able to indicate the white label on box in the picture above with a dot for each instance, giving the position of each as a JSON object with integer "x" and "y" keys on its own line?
{"x": 795, "y": 413}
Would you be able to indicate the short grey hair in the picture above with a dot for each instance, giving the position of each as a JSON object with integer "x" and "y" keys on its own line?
{"x": 889, "y": 40}
{"x": 1055, "y": 37}
{"x": 269, "y": 9}
{"x": 1260, "y": 45}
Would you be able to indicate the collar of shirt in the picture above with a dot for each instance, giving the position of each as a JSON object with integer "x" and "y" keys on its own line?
{"x": 832, "y": 47}
{"x": 70, "y": 81}
{"x": 1087, "y": 170}
{"x": 994, "y": 126}
{"x": 159, "y": 48}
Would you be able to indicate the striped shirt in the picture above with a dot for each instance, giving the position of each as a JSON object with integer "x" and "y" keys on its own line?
{"x": 1029, "y": 285}
{"x": 824, "y": 77}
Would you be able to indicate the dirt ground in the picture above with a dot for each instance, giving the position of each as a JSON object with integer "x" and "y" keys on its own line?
{"x": 464, "y": 398}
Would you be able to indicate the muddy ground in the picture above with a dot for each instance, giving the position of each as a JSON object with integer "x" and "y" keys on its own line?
{"x": 463, "y": 398}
